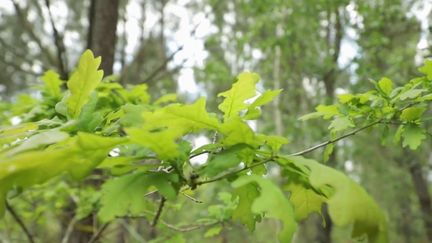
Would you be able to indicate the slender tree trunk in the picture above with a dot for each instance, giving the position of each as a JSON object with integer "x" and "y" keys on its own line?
{"x": 423, "y": 196}
{"x": 329, "y": 79}
{"x": 102, "y": 35}
{"x": 277, "y": 116}
{"x": 101, "y": 39}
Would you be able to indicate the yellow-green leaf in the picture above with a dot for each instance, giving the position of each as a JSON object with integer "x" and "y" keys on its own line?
{"x": 52, "y": 83}
{"x": 386, "y": 86}
{"x": 240, "y": 91}
{"x": 82, "y": 82}
{"x": 273, "y": 203}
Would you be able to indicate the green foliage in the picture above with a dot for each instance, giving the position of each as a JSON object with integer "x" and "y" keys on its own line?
{"x": 123, "y": 196}
{"x": 386, "y": 105}
{"x": 273, "y": 203}
{"x": 82, "y": 82}
{"x": 235, "y": 98}
{"x": 72, "y": 132}
{"x": 348, "y": 203}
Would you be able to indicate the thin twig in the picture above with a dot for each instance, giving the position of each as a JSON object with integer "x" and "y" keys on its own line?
{"x": 17, "y": 218}
{"x": 158, "y": 212}
{"x": 30, "y": 30}
{"x": 198, "y": 154}
{"x": 233, "y": 173}
{"x": 191, "y": 198}
{"x": 162, "y": 66}
{"x": 188, "y": 228}
{"x": 156, "y": 217}
{"x": 308, "y": 150}
{"x": 69, "y": 230}
{"x": 150, "y": 193}
{"x": 171, "y": 226}
{"x": 99, "y": 233}
{"x": 61, "y": 52}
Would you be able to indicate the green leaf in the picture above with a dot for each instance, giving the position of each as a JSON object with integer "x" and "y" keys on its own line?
{"x": 348, "y": 203}
{"x": 38, "y": 140}
{"x": 139, "y": 94}
{"x": 386, "y": 86}
{"x": 305, "y": 201}
{"x": 272, "y": 203}
{"x": 328, "y": 152}
{"x": 326, "y": 111}
{"x": 253, "y": 111}
{"x": 213, "y": 231}
{"x": 427, "y": 69}
{"x": 240, "y": 91}
{"x": 52, "y": 84}
{"x": 243, "y": 212}
{"x": 125, "y": 195}
{"x": 161, "y": 128}
{"x": 226, "y": 159}
{"x": 236, "y": 131}
{"x": 412, "y": 136}
{"x": 168, "y": 98}
{"x": 412, "y": 114}
{"x": 274, "y": 142}
{"x": 345, "y": 98}
{"x": 398, "y": 134}
{"x": 77, "y": 156}
{"x": 410, "y": 94}
{"x": 12, "y": 133}
{"x": 82, "y": 82}
{"x": 340, "y": 124}
{"x": 90, "y": 117}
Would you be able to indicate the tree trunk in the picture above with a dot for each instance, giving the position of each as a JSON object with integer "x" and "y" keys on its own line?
{"x": 102, "y": 37}
{"x": 329, "y": 79}
{"x": 421, "y": 189}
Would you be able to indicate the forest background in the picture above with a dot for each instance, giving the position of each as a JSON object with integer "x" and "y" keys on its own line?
{"x": 314, "y": 50}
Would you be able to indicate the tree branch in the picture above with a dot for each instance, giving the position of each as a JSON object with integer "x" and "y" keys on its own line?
{"x": 20, "y": 222}
{"x": 30, "y": 30}
{"x": 99, "y": 233}
{"x": 69, "y": 230}
{"x": 61, "y": 52}
{"x": 162, "y": 66}
{"x": 225, "y": 176}
{"x": 188, "y": 228}
{"x": 308, "y": 150}
{"x": 156, "y": 217}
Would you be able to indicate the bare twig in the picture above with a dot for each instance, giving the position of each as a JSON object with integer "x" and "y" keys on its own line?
{"x": 191, "y": 198}
{"x": 225, "y": 176}
{"x": 99, "y": 233}
{"x": 188, "y": 228}
{"x": 308, "y": 150}
{"x": 156, "y": 217}
{"x": 61, "y": 52}
{"x": 69, "y": 230}
{"x": 173, "y": 227}
{"x": 162, "y": 66}
{"x": 158, "y": 212}
{"x": 30, "y": 30}
{"x": 20, "y": 222}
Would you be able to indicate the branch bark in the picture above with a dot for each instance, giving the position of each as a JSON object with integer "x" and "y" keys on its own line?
{"x": 58, "y": 41}
{"x": 156, "y": 218}
{"x": 20, "y": 222}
